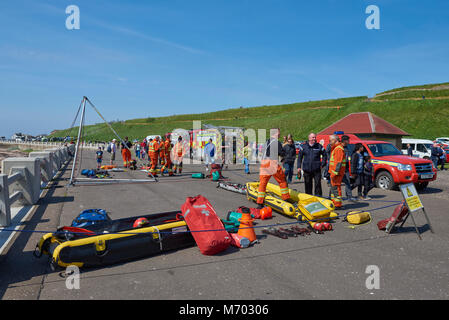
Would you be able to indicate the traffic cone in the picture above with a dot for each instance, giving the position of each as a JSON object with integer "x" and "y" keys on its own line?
{"x": 246, "y": 225}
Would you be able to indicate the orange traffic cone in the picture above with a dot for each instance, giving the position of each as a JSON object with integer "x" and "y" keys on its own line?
{"x": 246, "y": 226}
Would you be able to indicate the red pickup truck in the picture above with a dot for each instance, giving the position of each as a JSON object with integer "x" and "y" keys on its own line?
{"x": 391, "y": 167}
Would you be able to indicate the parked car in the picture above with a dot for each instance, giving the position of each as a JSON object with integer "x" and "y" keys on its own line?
{"x": 443, "y": 141}
{"x": 391, "y": 167}
{"x": 421, "y": 148}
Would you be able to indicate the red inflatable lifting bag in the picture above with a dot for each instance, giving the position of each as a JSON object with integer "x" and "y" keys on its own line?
{"x": 200, "y": 215}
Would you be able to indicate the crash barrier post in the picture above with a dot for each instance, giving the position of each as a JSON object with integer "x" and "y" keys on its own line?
{"x": 19, "y": 183}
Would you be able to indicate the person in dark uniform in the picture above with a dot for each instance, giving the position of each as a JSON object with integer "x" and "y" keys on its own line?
{"x": 312, "y": 157}
{"x": 409, "y": 150}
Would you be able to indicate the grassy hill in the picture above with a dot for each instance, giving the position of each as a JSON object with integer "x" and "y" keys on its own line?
{"x": 404, "y": 107}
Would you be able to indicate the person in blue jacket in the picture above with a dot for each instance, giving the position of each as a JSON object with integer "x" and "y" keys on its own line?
{"x": 311, "y": 158}
{"x": 435, "y": 154}
{"x": 209, "y": 153}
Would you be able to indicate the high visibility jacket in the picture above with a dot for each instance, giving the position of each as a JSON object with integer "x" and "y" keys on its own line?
{"x": 153, "y": 147}
{"x": 337, "y": 163}
{"x": 167, "y": 147}
{"x": 162, "y": 148}
{"x": 178, "y": 149}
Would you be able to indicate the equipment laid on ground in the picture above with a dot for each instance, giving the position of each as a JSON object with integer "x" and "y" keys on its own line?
{"x": 215, "y": 172}
{"x": 239, "y": 241}
{"x": 399, "y": 213}
{"x": 90, "y": 217}
{"x": 199, "y": 215}
{"x": 275, "y": 232}
{"x": 95, "y": 173}
{"x": 198, "y": 175}
{"x": 357, "y": 217}
{"x": 234, "y": 187}
{"x": 108, "y": 167}
{"x": 246, "y": 225}
{"x": 300, "y": 206}
{"x": 106, "y": 242}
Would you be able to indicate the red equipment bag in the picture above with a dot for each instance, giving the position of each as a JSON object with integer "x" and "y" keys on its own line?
{"x": 254, "y": 212}
{"x": 400, "y": 211}
{"x": 215, "y": 167}
{"x": 200, "y": 215}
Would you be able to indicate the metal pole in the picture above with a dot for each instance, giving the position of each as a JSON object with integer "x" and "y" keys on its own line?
{"x": 78, "y": 141}
{"x": 107, "y": 123}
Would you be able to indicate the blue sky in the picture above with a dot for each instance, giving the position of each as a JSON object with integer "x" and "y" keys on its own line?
{"x": 137, "y": 59}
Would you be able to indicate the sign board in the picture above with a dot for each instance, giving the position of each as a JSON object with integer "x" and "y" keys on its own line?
{"x": 411, "y": 197}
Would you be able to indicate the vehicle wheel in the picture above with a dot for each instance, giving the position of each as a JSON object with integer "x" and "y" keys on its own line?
{"x": 384, "y": 181}
{"x": 421, "y": 185}
{"x": 426, "y": 158}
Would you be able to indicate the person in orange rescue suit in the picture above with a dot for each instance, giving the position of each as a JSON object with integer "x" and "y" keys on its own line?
{"x": 162, "y": 152}
{"x": 153, "y": 152}
{"x": 270, "y": 167}
{"x": 126, "y": 153}
{"x": 167, "y": 164}
{"x": 178, "y": 154}
{"x": 337, "y": 168}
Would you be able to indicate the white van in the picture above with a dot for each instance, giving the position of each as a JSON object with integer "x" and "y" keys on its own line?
{"x": 443, "y": 140}
{"x": 421, "y": 148}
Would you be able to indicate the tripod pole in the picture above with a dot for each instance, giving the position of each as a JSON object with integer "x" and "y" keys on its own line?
{"x": 78, "y": 141}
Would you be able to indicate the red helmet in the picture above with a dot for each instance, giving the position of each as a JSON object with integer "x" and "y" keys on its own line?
{"x": 140, "y": 222}
{"x": 266, "y": 213}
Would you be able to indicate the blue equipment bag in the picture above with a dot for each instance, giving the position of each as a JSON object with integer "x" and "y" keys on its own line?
{"x": 90, "y": 217}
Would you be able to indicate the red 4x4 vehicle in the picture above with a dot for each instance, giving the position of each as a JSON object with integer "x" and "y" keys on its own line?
{"x": 391, "y": 167}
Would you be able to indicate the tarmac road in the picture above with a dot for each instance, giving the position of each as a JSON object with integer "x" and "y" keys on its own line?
{"x": 328, "y": 266}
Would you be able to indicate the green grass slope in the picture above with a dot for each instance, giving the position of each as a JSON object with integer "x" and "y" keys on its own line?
{"x": 425, "y": 119}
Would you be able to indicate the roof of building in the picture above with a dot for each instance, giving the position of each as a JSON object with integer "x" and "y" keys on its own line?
{"x": 364, "y": 123}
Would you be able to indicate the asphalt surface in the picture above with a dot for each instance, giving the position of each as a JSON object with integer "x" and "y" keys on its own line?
{"x": 328, "y": 266}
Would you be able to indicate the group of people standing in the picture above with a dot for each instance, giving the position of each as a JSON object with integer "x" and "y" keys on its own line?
{"x": 312, "y": 158}
{"x": 159, "y": 151}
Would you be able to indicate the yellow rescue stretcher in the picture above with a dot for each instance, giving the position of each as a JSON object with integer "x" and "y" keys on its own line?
{"x": 300, "y": 206}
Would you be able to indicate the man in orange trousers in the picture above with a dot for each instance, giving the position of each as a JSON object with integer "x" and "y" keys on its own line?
{"x": 126, "y": 153}
{"x": 167, "y": 163}
{"x": 153, "y": 152}
{"x": 270, "y": 167}
{"x": 337, "y": 167}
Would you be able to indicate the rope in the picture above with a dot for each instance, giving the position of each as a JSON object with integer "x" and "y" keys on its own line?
{"x": 190, "y": 231}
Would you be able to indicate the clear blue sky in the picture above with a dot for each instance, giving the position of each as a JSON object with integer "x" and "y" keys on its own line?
{"x": 162, "y": 57}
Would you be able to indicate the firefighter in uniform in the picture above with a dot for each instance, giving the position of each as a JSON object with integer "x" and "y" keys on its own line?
{"x": 337, "y": 168}
{"x": 162, "y": 152}
{"x": 167, "y": 163}
{"x": 126, "y": 153}
{"x": 153, "y": 152}
{"x": 270, "y": 167}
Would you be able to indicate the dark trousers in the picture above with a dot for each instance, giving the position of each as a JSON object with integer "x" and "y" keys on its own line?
{"x": 359, "y": 183}
{"x": 288, "y": 171}
{"x": 368, "y": 184}
{"x": 309, "y": 177}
